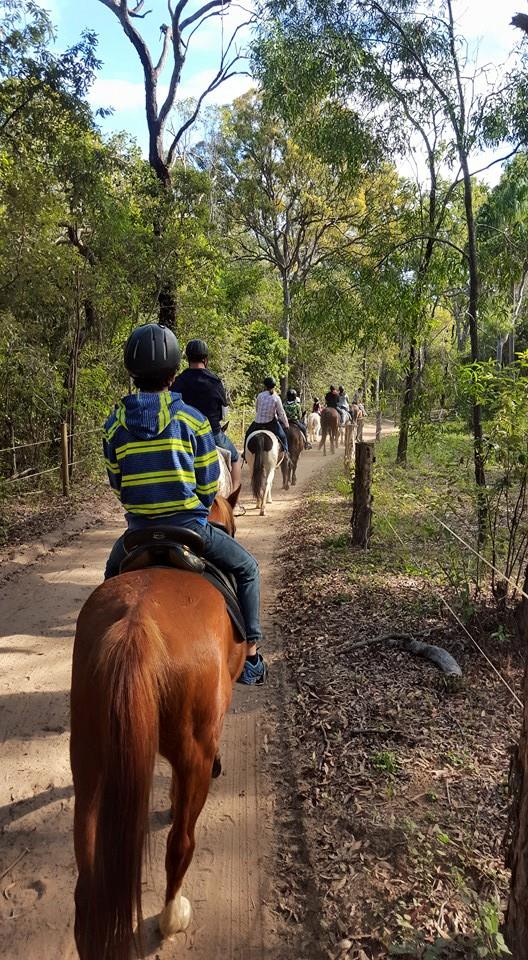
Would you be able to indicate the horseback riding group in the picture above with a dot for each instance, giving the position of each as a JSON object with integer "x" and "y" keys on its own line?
{"x": 176, "y": 621}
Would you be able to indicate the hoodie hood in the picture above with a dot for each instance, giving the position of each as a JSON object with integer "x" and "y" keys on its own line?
{"x": 147, "y": 415}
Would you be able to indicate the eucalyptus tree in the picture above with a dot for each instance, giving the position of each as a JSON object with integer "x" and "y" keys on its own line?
{"x": 373, "y": 54}
{"x": 502, "y": 233}
{"x": 283, "y": 206}
{"x": 185, "y": 20}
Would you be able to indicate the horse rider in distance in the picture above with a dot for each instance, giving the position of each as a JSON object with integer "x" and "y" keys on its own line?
{"x": 293, "y": 411}
{"x": 270, "y": 415}
{"x": 202, "y": 389}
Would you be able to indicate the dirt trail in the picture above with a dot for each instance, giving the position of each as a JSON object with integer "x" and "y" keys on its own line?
{"x": 231, "y": 878}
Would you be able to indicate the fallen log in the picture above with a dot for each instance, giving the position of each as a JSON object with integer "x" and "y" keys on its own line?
{"x": 404, "y": 641}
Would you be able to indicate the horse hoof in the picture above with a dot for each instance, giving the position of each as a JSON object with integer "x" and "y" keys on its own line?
{"x": 217, "y": 767}
{"x": 175, "y": 917}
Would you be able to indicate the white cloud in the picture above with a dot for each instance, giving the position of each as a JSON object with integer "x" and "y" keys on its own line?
{"x": 128, "y": 96}
{"x": 122, "y": 95}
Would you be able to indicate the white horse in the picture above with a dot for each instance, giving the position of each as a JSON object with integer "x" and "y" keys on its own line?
{"x": 225, "y": 484}
{"x": 263, "y": 454}
{"x": 314, "y": 427}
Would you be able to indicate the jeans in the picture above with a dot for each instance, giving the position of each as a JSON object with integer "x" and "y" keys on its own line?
{"x": 222, "y": 440}
{"x": 302, "y": 428}
{"x": 274, "y": 426}
{"x": 230, "y": 557}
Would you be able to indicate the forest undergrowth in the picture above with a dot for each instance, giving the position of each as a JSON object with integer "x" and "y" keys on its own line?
{"x": 401, "y": 772}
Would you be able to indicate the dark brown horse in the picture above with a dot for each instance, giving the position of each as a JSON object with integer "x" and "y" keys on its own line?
{"x": 154, "y": 662}
{"x": 329, "y": 428}
{"x": 295, "y": 447}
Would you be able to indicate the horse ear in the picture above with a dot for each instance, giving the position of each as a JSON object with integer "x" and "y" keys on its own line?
{"x": 233, "y": 498}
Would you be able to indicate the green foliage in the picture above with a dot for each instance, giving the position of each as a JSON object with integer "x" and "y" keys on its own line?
{"x": 386, "y": 761}
{"x": 266, "y": 356}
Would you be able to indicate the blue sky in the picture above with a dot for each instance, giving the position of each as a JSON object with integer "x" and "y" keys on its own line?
{"x": 119, "y": 84}
{"x": 485, "y": 23}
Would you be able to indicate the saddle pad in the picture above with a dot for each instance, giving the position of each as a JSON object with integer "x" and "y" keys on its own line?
{"x": 226, "y": 585}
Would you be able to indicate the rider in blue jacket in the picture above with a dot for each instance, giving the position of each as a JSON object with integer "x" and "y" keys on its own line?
{"x": 163, "y": 465}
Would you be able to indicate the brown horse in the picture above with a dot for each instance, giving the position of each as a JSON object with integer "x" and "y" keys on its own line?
{"x": 295, "y": 447}
{"x": 329, "y": 428}
{"x": 154, "y": 662}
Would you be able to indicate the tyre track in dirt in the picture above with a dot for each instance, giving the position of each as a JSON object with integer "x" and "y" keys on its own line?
{"x": 230, "y": 882}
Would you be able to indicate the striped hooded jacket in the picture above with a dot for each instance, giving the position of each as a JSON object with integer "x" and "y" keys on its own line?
{"x": 161, "y": 459}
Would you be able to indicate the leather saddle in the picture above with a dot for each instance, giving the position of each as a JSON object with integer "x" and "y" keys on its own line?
{"x": 181, "y": 549}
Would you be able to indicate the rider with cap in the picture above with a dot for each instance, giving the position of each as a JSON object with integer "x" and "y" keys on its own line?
{"x": 332, "y": 397}
{"x": 202, "y": 389}
{"x": 293, "y": 411}
{"x": 270, "y": 414}
{"x": 162, "y": 463}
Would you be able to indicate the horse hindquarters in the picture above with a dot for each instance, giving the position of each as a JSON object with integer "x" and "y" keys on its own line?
{"x": 116, "y": 685}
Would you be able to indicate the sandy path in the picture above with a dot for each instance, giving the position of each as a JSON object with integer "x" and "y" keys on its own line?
{"x": 231, "y": 878}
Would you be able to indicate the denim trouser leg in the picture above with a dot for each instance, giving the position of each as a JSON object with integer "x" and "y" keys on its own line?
{"x": 222, "y": 440}
{"x": 117, "y": 554}
{"x": 302, "y": 428}
{"x": 231, "y": 557}
{"x": 281, "y": 433}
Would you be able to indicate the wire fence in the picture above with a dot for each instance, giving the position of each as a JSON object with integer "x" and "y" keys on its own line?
{"x": 239, "y": 419}
{"x": 62, "y": 453}
{"x": 455, "y": 616}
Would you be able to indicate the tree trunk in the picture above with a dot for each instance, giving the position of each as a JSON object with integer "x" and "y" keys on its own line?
{"x": 362, "y": 503}
{"x": 517, "y": 831}
{"x": 472, "y": 312}
{"x": 407, "y": 405}
{"x": 377, "y": 400}
{"x": 285, "y": 329}
{"x": 364, "y": 383}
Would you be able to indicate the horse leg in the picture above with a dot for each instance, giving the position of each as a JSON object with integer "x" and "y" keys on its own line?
{"x": 271, "y": 478}
{"x": 190, "y": 786}
{"x": 217, "y": 766}
{"x": 285, "y": 470}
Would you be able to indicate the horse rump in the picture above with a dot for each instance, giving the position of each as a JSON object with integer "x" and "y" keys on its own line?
{"x": 126, "y": 678}
{"x": 258, "y": 444}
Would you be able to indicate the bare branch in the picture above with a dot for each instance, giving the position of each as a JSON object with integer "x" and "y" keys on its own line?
{"x": 135, "y": 12}
{"x": 199, "y": 13}
{"x": 167, "y": 37}
{"x": 225, "y": 72}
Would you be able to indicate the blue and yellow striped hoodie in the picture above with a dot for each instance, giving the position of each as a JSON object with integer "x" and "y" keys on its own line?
{"x": 161, "y": 459}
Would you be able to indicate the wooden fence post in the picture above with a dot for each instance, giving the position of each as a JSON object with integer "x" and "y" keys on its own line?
{"x": 350, "y": 443}
{"x": 362, "y": 503}
{"x": 360, "y": 428}
{"x": 65, "y": 471}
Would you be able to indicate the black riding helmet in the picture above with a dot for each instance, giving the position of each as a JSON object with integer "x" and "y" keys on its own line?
{"x": 291, "y": 394}
{"x": 196, "y": 351}
{"x": 152, "y": 350}
{"x": 269, "y": 383}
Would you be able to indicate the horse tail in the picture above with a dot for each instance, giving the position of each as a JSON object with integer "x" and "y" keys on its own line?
{"x": 132, "y": 669}
{"x": 256, "y": 445}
